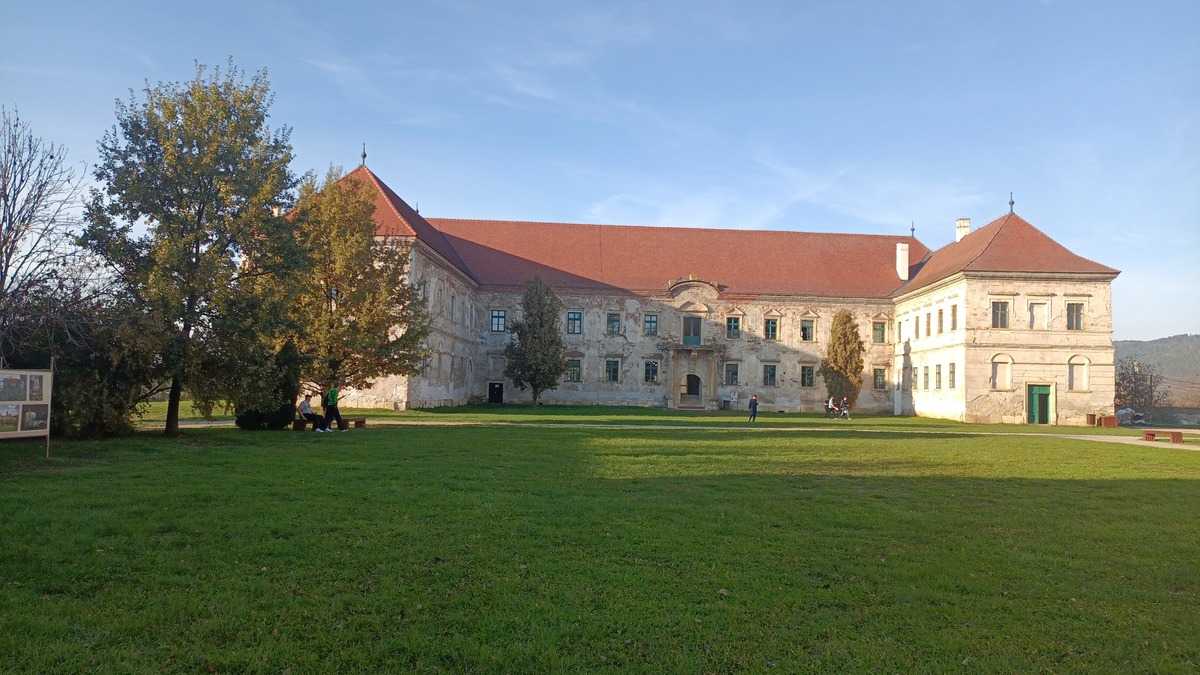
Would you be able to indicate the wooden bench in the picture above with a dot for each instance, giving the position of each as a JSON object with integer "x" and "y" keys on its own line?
{"x": 1175, "y": 436}
{"x": 358, "y": 422}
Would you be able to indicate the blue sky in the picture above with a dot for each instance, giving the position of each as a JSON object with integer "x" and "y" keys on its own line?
{"x": 857, "y": 117}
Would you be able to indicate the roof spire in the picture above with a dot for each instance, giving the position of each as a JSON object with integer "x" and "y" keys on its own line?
{"x": 912, "y": 229}
{"x": 364, "y": 155}
{"x": 1011, "y": 203}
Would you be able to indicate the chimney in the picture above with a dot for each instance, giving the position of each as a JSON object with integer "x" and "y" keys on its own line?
{"x": 902, "y": 261}
{"x": 962, "y": 227}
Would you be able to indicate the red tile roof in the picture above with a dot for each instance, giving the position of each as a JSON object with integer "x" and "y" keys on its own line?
{"x": 395, "y": 218}
{"x": 635, "y": 258}
{"x": 509, "y": 253}
{"x": 1007, "y": 244}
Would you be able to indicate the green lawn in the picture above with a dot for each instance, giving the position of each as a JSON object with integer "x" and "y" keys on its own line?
{"x": 508, "y": 549}
{"x": 618, "y": 415}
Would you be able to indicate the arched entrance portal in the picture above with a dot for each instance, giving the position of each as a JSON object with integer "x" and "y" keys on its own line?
{"x": 691, "y": 393}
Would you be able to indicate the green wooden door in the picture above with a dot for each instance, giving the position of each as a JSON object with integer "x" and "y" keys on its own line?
{"x": 1039, "y": 404}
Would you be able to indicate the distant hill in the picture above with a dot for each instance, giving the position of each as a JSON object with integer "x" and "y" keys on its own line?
{"x": 1176, "y": 357}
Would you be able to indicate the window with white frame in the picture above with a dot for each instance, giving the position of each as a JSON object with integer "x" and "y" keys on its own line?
{"x": 808, "y": 376}
{"x": 733, "y": 327}
{"x": 731, "y": 373}
{"x": 878, "y": 332}
{"x": 649, "y": 324}
{"x": 769, "y": 370}
{"x": 950, "y": 376}
{"x": 771, "y": 329}
{"x": 574, "y": 370}
{"x": 499, "y": 321}
{"x": 612, "y": 370}
{"x": 651, "y": 371}
{"x": 1001, "y": 372}
{"x": 1077, "y": 373}
{"x": 1038, "y": 315}
{"x": 1074, "y": 316}
{"x": 613, "y": 323}
{"x": 808, "y": 330}
{"x": 999, "y": 314}
{"x": 575, "y": 322}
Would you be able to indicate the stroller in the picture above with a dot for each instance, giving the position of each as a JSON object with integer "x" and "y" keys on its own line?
{"x": 836, "y": 412}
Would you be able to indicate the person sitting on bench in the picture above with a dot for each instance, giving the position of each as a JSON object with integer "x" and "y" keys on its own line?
{"x": 307, "y": 413}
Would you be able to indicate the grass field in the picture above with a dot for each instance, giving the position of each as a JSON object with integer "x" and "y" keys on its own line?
{"x": 507, "y": 549}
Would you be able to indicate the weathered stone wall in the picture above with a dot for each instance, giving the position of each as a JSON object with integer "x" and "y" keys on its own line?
{"x": 449, "y": 375}
{"x": 1040, "y": 354}
{"x": 750, "y": 350}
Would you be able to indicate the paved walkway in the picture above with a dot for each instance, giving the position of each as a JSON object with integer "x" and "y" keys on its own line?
{"x": 385, "y": 422}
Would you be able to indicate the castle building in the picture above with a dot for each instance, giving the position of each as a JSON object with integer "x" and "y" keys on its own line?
{"x": 1003, "y": 325}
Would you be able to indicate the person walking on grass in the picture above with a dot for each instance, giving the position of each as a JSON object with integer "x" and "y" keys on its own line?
{"x": 753, "y": 408}
{"x": 306, "y": 411}
{"x": 845, "y": 407}
{"x": 331, "y": 408}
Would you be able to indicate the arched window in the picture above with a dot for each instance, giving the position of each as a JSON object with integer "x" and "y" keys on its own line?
{"x": 1077, "y": 373}
{"x": 1001, "y": 371}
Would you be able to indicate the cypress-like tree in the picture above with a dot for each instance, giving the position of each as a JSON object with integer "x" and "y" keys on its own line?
{"x": 536, "y": 353}
{"x": 843, "y": 364}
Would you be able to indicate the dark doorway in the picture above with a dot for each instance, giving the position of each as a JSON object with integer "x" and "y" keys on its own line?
{"x": 693, "y": 385}
{"x": 495, "y": 392}
{"x": 1039, "y": 404}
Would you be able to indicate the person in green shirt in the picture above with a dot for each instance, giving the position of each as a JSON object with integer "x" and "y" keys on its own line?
{"x": 330, "y": 402}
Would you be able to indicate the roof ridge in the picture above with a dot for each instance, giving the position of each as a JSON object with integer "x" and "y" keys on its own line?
{"x": 1003, "y": 221}
{"x": 683, "y": 228}
{"x": 387, "y": 193}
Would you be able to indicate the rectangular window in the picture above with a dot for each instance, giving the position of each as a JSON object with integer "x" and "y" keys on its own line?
{"x": 731, "y": 373}
{"x": 917, "y": 326}
{"x": 950, "y": 376}
{"x": 999, "y": 314}
{"x": 925, "y": 378}
{"x": 1037, "y": 316}
{"x": 953, "y": 317}
{"x": 937, "y": 376}
{"x": 614, "y": 323}
{"x": 499, "y": 322}
{"x": 769, "y": 375}
{"x": 913, "y": 382}
{"x": 651, "y": 372}
{"x": 771, "y": 329}
{"x": 650, "y": 324}
{"x": 939, "y": 322}
{"x": 928, "y": 324}
{"x": 733, "y": 327}
{"x": 612, "y": 370}
{"x": 1074, "y": 316}
{"x": 807, "y": 330}
{"x": 574, "y": 323}
{"x": 574, "y": 370}
{"x": 899, "y": 332}
{"x": 879, "y": 332}
{"x": 808, "y": 376}
{"x": 880, "y": 378}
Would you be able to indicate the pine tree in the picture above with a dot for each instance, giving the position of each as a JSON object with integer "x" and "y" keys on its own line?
{"x": 536, "y": 356}
{"x": 843, "y": 364}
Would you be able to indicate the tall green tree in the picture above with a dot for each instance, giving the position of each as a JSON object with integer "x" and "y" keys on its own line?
{"x": 843, "y": 364}
{"x": 358, "y": 318}
{"x": 536, "y": 355}
{"x": 197, "y": 165}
